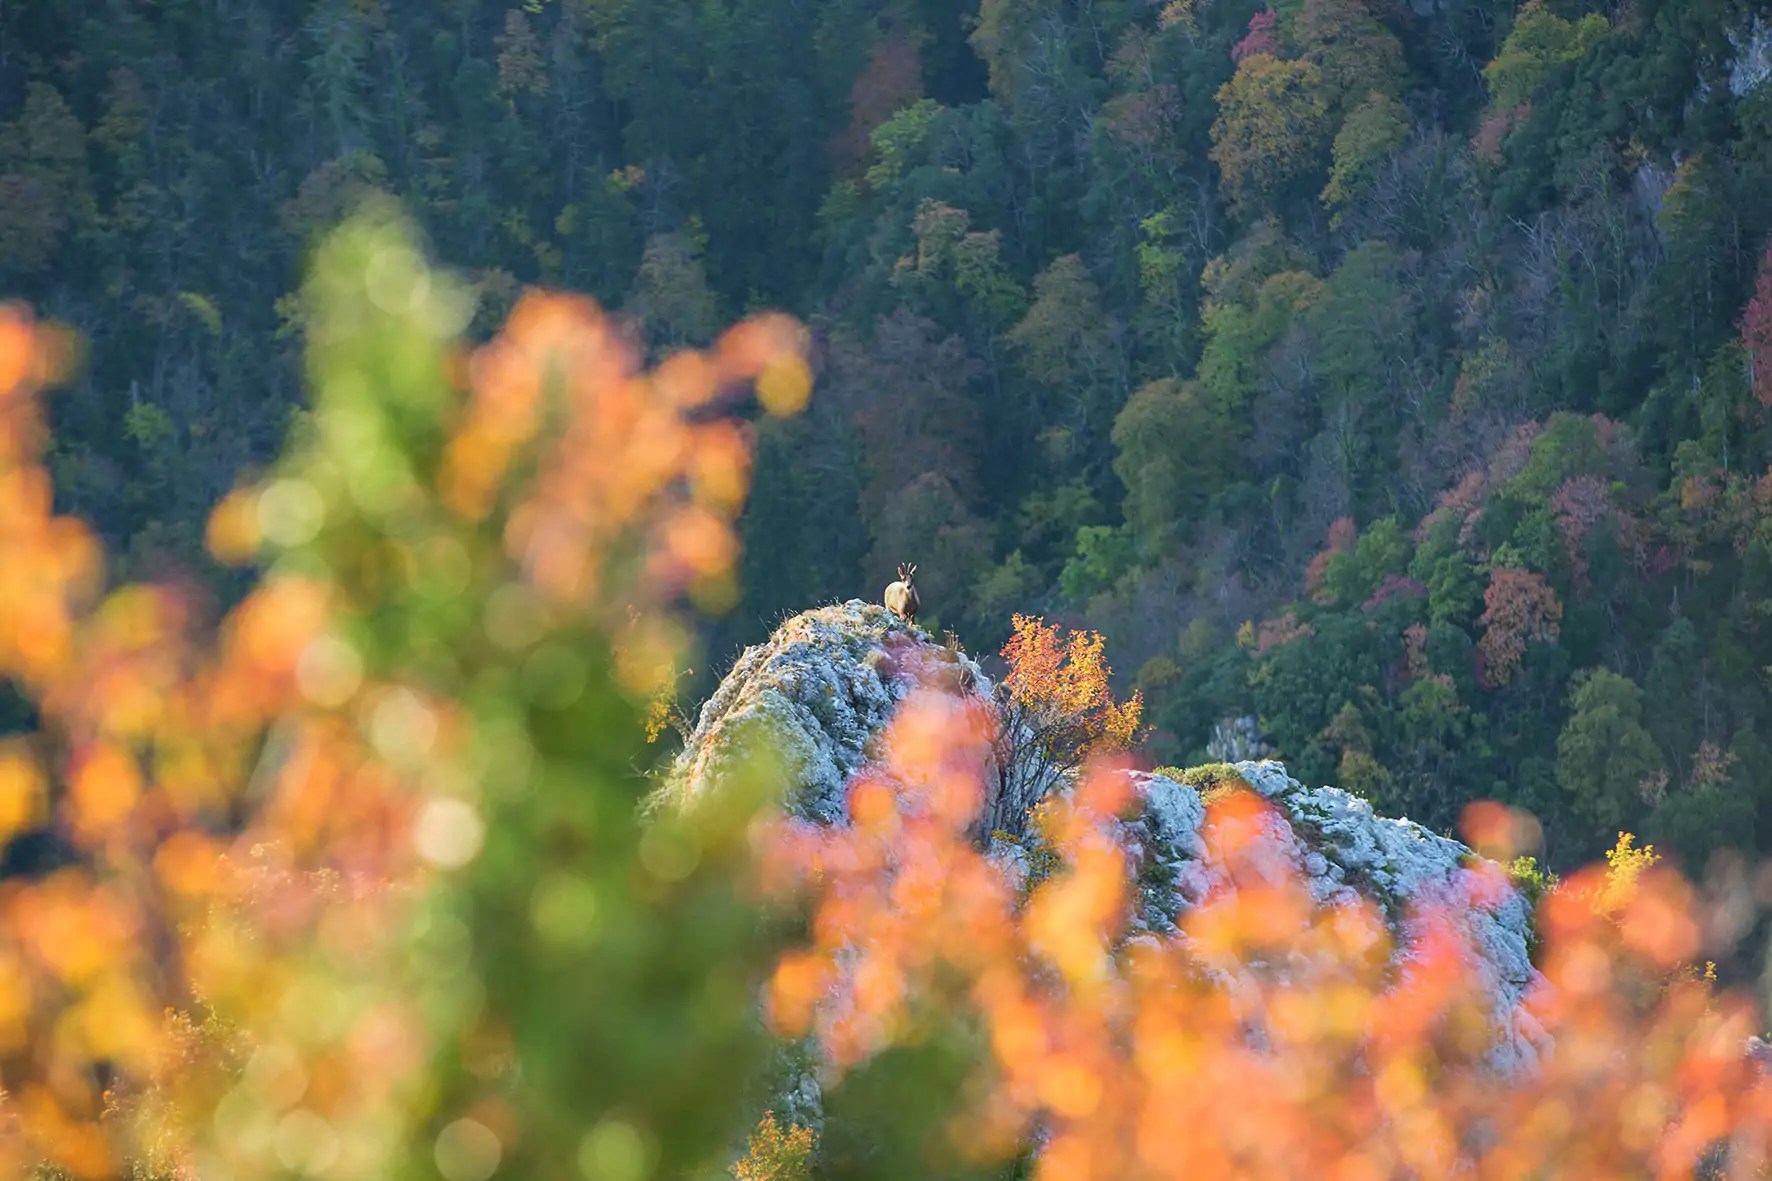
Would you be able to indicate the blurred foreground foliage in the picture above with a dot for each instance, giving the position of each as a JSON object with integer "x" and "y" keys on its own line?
{"x": 356, "y": 881}
{"x": 1266, "y": 1033}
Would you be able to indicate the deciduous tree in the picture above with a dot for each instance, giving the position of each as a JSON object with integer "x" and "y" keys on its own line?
{"x": 891, "y": 80}
{"x": 1539, "y": 41}
{"x": 1606, "y": 760}
{"x": 1372, "y": 134}
{"x": 1272, "y": 126}
{"x": 907, "y": 387}
{"x": 1263, "y": 36}
{"x": 1519, "y": 609}
{"x": 1352, "y": 49}
{"x": 775, "y": 1153}
{"x": 520, "y": 66}
{"x": 1173, "y": 452}
{"x": 1056, "y": 711}
{"x": 670, "y": 297}
{"x": 1067, "y": 345}
{"x": 45, "y": 190}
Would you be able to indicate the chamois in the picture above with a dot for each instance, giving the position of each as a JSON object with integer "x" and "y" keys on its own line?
{"x": 902, "y": 598}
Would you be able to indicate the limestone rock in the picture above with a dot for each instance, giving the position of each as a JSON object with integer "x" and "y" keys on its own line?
{"x": 817, "y": 694}
{"x": 1341, "y": 849}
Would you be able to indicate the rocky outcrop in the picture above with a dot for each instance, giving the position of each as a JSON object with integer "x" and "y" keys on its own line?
{"x": 1342, "y": 850}
{"x": 821, "y": 691}
{"x": 814, "y": 698}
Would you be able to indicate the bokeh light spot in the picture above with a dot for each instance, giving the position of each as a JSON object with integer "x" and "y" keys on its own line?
{"x": 290, "y": 512}
{"x": 785, "y": 386}
{"x": 329, "y": 672}
{"x": 448, "y": 833}
{"x": 614, "y": 1150}
{"x": 467, "y": 1150}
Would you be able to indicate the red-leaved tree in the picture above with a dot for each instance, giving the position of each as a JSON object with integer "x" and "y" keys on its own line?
{"x": 1264, "y": 37}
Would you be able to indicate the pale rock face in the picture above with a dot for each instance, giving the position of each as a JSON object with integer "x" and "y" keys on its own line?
{"x": 817, "y": 694}
{"x": 1341, "y": 850}
{"x": 1235, "y": 740}
{"x": 1752, "y": 63}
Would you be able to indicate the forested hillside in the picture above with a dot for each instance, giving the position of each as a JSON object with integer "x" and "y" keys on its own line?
{"x": 1396, "y": 374}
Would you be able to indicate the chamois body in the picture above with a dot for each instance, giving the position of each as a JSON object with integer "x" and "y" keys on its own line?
{"x": 902, "y": 598}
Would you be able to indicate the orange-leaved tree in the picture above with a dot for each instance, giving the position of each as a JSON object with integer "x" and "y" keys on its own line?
{"x": 1520, "y": 609}
{"x": 1056, "y": 711}
{"x": 775, "y": 1153}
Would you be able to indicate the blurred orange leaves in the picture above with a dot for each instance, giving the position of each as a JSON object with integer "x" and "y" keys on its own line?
{"x": 24, "y": 795}
{"x": 624, "y": 443}
{"x": 251, "y": 805}
{"x": 1269, "y": 1035}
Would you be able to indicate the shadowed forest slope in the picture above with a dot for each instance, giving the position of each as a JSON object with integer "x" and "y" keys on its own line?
{"x": 1394, "y": 374}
